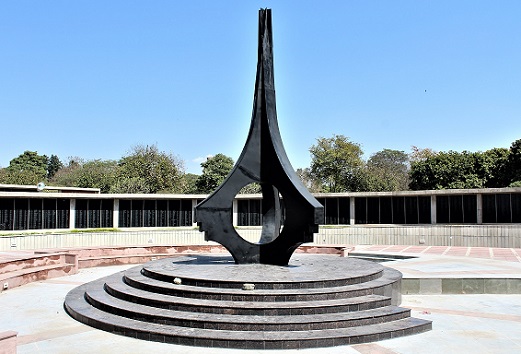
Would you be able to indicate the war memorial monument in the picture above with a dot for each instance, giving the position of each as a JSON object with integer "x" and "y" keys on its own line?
{"x": 262, "y": 296}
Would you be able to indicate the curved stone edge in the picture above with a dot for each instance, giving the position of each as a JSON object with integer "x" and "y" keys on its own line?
{"x": 77, "y": 306}
{"x": 321, "y": 271}
{"x": 80, "y": 310}
{"x": 387, "y": 279}
{"x": 107, "y": 303}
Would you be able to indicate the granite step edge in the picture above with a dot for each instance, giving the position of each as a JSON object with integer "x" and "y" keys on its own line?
{"x": 140, "y": 281}
{"x": 101, "y": 300}
{"x": 79, "y": 309}
{"x": 120, "y": 290}
{"x": 169, "y": 276}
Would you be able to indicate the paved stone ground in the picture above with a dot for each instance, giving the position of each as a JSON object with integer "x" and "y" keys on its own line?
{"x": 487, "y": 323}
{"x": 502, "y": 254}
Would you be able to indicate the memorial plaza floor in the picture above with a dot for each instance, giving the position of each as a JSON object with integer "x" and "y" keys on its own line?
{"x": 489, "y": 322}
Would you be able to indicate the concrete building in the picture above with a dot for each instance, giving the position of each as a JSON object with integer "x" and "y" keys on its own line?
{"x": 437, "y": 217}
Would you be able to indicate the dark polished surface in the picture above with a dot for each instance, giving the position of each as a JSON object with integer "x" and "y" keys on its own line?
{"x": 264, "y": 161}
{"x": 210, "y": 301}
{"x": 306, "y": 270}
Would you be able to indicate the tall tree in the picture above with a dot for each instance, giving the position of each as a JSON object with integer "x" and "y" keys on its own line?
{"x": 28, "y": 168}
{"x": 337, "y": 163}
{"x": 215, "y": 170}
{"x": 387, "y": 170}
{"x": 87, "y": 174}
{"x": 97, "y": 174}
{"x": 492, "y": 167}
{"x": 419, "y": 154}
{"x": 189, "y": 183}
{"x": 308, "y": 180}
{"x": 130, "y": 185}
{"x": 513, "y": 165}
{"x": 447, "y": 170}
{"x": 161, "y": 172}
{"x": 53, "y": 165}
{"x": 68, "y": 175}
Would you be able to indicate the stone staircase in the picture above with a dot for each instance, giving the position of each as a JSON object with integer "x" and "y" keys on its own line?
{"x": 317, "y": 301}
{"x": 26, "y": 268}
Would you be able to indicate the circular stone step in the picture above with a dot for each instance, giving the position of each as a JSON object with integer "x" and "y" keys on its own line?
{"x": 303, "y": 271}
{"x": 316, "y": 301}
{"x": 136, "y": 278}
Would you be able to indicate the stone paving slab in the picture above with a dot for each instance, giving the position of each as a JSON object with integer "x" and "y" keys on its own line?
{"x": 485, "y": 323}
{"x": 461, "y": 324}
{"x": 434, "y": 271}
{"x": 503, "y": 254}
{"x": 455, "y": 267}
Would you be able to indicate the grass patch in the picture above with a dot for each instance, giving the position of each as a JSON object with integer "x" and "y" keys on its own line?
{"x": 82, "y": 231}
{"x": 334, "y": 226}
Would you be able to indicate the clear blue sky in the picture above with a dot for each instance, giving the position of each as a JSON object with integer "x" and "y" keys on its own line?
{"x": 93, "y": 78}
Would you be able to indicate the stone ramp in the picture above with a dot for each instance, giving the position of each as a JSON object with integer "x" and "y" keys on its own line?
{"x": 317, "y": 301}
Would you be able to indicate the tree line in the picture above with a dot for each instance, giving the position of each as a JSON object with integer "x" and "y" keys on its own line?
{"x": 337, "y": 165}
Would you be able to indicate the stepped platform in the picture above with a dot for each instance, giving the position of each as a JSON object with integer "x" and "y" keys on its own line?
{"x": 208, "y": 300}
{"x": 27, "y": 268}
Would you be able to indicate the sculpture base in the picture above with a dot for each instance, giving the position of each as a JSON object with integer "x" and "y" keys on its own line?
{"x": 209, "y": 301}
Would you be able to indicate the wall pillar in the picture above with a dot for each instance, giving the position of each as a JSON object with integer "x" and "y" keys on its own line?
{"x": 194, "y": 203}
{"x": 433, "y": 209}
{"x": 352, "y": 215}
{"x": 235, "y": 212}
{"x": 479, "y": 205}
{"x": 72, "y": 214}
{"x": 115, "y": 215}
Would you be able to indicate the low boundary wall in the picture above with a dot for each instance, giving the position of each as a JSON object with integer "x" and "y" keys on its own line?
{"x": 24, "y": 267}
{"x": 501, "y": 236}
{"x": 497, "y": 236}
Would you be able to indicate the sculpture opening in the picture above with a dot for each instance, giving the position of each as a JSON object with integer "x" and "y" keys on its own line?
{"x": 261, "y": 220}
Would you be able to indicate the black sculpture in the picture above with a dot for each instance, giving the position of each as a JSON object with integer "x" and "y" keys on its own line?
{"x": 263, "y": 160}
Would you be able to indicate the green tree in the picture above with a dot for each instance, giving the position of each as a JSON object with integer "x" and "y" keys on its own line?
{"x": 337, "y": 163}
{"x": 97, "y": 174}
{"x": 68, "y": 175}
{"x": 387, "y": 170}
{"x": 3, "y": 175}
{"x": 189, "y": 183}
{"x": 159, "y": 171}
{"x": 252, "y": 188}
{"x": 28, "y": 168}
{"x": 87, "y": 174}
{"x": 447, "y": 170}
{"x": 215, "y": 170}
{"x": 308, "y": 180}
{"x": 513, "y": 164}
{"x": 419, "y": 154}
{"x": 492, "y": 167}
{"x": 130, "y": 185}
{"x": 53, "y": 165}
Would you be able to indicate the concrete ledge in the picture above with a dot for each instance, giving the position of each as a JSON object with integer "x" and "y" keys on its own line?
{"x": 51, "y": 263}
{"x": 17, "y": 272}
{"x": 341, "y": 250}
{"x": 8, "y": 342}
{"x": 439, "y": 286}
{"x": 35, "y": 260}
{"x": 454, "y": 235}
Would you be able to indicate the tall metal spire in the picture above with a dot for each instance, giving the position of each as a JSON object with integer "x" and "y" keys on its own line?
{"x": 264, "y": 161}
